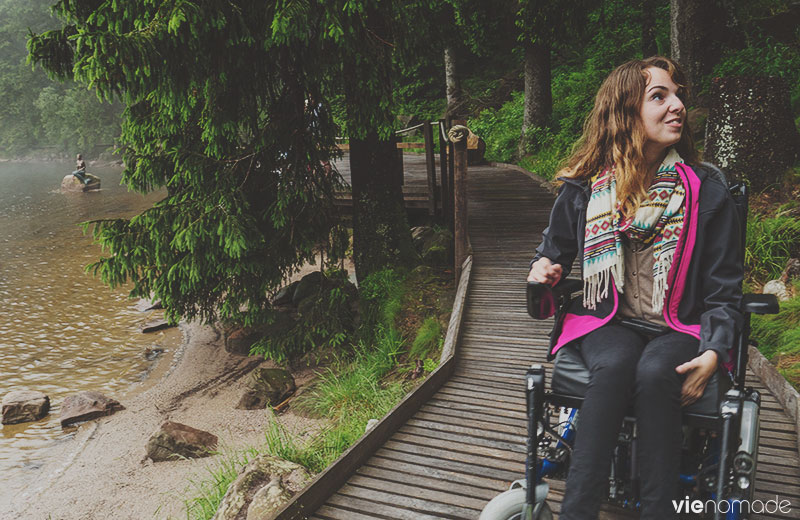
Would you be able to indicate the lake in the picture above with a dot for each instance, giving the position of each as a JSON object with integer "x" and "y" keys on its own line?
{"x": 61, "y": 330}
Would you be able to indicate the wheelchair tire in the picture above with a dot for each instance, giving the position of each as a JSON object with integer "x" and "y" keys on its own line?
{"x": 508, "y": 506}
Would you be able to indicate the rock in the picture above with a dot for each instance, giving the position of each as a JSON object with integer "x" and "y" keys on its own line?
{"x": 24, "y": 406}
{"x": 144, "y": 305}
{"x": 792, "y": 271}
{"x": 778, "y": 288}
{"x": 150, "y": 353}
{"x": 264, "y": 485}
{"x": 266, "y": 386}
{"x": 175, "y": 440}
{"x": 750, "y": 131}
{"x": 309, "y": 285}
{"x": 72, "y": 184}
{"x": 421, "y": 234}
{"x": 156, "y": 325}
{"x": 431, "y": 244}
{"x": 240, "y": 340}
{"x": 285, "y": 294}
{"x": 86, "y": 406}
{"x": 371, "y": 424}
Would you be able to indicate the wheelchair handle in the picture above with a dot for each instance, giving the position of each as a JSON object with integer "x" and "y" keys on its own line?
{"x": 543, "y": 300}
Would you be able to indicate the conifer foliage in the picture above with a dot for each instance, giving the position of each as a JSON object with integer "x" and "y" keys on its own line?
{"x": 223, "y": 109}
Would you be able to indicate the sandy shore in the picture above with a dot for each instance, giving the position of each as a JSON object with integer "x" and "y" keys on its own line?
{"x": 102, "y": 471}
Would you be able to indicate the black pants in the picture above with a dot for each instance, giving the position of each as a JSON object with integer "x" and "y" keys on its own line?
{"x": 627, "y": 367}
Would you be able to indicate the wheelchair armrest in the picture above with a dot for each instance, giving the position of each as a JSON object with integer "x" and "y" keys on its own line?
{"x": 760, "y": 304}
{"x": 543, "y": 300}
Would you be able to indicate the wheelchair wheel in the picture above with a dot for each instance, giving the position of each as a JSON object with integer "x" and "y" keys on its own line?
{"x": 508, "y": 506}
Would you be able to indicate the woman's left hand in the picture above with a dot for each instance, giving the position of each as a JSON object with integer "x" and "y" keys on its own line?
{"x": 698, "y": 371}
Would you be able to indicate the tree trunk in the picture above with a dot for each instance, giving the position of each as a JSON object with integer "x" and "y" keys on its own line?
{"x": 649, "y": 47}
{"x": 455, "y": 98}
{"x": 381, "y": 235}
{"x": 691, "y": 39}
{"x": 538, "y": 97}
{"x": 750, "y": 132}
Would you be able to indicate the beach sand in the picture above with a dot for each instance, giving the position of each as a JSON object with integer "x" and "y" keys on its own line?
{"x": 102, "y": 472}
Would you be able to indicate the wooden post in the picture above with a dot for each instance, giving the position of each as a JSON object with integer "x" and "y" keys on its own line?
{"x": 451, "y": 176}
{"x": 430, "y": 164}
{"x": 443, "y": 168}
{"x": 460, "y": 202}
{"x": 401, "y": 178}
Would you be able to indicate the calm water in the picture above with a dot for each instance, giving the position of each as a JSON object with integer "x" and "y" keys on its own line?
{"x": 61, "y": 330}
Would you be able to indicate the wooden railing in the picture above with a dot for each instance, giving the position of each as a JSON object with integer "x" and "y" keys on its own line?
{"x": 450, "y": 201}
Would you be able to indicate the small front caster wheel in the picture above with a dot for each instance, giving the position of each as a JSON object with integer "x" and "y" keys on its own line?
{"x": 508, "y": 505}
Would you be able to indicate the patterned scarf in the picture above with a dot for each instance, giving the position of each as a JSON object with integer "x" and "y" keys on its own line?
{"x": 659, "y": 220}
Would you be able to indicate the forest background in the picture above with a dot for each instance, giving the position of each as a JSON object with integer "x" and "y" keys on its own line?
{"x": 523, "y": 74}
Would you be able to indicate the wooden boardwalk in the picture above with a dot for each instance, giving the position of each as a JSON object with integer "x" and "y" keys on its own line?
{"x": 467, "y": 443}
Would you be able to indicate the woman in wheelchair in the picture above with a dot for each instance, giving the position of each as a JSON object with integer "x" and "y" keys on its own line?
{"x": 658, "y": 239}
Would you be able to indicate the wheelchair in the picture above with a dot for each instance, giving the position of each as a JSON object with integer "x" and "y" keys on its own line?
{"x": 720, "y": 430}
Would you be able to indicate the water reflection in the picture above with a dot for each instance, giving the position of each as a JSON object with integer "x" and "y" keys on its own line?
{"x": 61, "y": 330}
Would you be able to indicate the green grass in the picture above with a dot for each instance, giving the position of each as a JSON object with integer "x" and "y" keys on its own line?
{"x": 778, "y": 337}
{"x": 430, "y": 336}
{"x": 771, "y": 241}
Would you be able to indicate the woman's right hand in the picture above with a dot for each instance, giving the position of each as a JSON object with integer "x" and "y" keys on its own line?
{"x": 545, "y": 271}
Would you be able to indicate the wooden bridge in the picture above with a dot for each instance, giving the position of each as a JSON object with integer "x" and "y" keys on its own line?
{"x": 459, "y": 439}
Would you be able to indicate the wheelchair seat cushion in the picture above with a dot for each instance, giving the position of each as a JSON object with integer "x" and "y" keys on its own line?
{"x": 571, "y": 377}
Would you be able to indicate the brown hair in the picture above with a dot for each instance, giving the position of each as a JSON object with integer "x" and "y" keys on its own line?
{"x": 613, "y": 133}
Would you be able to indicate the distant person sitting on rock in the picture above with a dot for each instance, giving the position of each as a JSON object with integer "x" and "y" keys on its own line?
{"x": 80, "y": 173}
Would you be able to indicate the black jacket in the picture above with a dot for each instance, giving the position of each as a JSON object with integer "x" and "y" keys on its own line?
{"x": 703, "y": 296}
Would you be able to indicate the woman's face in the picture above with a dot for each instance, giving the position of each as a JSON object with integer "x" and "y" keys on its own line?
{"x": 663, "y": 114}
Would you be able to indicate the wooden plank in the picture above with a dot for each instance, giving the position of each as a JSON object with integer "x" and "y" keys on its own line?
{"x": 383, "y": 501}
{"x": 426, "y": 481}
{"x": 316, "y": 493}
{"x": 418, "y": 490}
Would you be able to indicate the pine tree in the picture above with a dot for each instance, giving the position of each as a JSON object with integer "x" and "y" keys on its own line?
{"x": 227, "y": 107}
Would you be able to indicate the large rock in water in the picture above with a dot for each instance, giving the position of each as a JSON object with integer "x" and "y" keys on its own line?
{"x": 264, "y": 485}
{"x": 175, "y": 440}
{"x": 86, "y": 406}
{"x": 750, "y": 132}
{"x": 70, "y": 183}
{"x": 24, "y": 406}
{"x": 267, "y": 386}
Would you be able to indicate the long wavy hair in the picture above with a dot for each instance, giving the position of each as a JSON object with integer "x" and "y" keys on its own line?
{"x": 613, "y": 133}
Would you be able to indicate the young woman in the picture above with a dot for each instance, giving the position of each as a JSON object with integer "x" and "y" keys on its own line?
{"x": 658, "y": 240}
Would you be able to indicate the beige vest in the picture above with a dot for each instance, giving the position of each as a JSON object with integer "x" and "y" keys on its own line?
{"x": 637, "y": 299}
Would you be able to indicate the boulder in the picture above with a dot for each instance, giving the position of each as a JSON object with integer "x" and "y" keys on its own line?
{"x": 175, "y": 440}
{"x": 86, "y": 406}
{"x": 420, "y": 235}
{"x": 264, "y": 485}
{"x": 309, "y": 285}
{"x": 778, "y": 288}
{"x": 432, "y": 245}
{"x": 156, "y": 325}
{"x": 238, "y": 341}
{"x": 285, "y": 294}
{"x": 24, "y": 406}
{"x": 72, "y": 184}
{"x": 792, "y": 271}
{"x": 266, "y": 386}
